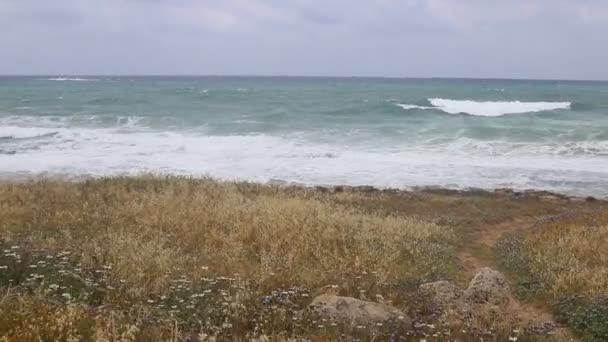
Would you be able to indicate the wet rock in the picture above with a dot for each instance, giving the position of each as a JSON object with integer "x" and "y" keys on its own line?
{"x": 391, "y": 191}
{"x": 488, "y": 287}
{"x": 365, "y": 188}
{"x": 357, "y": 311}
{"x": 576, "y": 199}
{"x": 550, "y": 197}
{"x": 278, "y": 183}
{"x": 321, "y": 188}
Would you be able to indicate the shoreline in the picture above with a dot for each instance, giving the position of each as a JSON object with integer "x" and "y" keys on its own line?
{"x": 331, "y": 188}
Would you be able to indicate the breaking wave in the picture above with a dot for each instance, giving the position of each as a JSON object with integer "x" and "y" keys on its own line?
{"x": 488, "y": 108}
{"x": 18, "y": 133}
{"x": 74, "y": 79}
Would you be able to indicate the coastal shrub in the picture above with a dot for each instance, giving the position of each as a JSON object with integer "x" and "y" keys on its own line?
{"x": 588, "y": 316}
{"x": 562, "y": 261}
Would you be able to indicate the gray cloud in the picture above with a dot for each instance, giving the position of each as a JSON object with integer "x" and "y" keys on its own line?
{"x": 474, "y": 38}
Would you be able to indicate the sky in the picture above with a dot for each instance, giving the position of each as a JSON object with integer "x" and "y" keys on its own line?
{"x": 546, "y": 39}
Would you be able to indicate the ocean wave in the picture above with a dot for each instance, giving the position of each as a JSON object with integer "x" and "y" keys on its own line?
{"x": 21, "y": 133}
{"x": 107, "y": 151}
{"x": 409, "y": 106}
{"x": 73, "y": 79}
{"x": 46, "y": 121}
{"x": 53, "y": 123}
{"x": 590, "y": 148}
{"x": 131, "y": 122}
{"x": 487, "y": 108}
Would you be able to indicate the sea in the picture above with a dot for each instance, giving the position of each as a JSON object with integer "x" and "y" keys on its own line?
{"x": 382, "y": 132}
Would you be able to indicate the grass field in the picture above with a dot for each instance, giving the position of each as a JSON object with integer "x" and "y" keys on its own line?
{"x": 147, "y": 258}
{"x": 564, "y": 262}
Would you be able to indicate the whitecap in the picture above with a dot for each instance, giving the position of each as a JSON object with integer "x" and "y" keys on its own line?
{"x": 73, "y": 79}
{"x": 495, "y": 108}
{"x": 488, "y": 108}
{"x": 130, "y": 121}
{"x": 408, "y": 106}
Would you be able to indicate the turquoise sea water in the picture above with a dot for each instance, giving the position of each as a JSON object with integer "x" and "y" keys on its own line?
{"x": 550, "y": 135}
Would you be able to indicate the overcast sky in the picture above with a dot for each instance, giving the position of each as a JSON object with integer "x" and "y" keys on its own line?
{"x": 565, "y": 39}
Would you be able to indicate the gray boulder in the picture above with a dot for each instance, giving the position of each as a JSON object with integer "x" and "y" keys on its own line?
{"x": 442, "y": 293}
{"x": 488, "y": 287}
{"x": 357, "y": 311}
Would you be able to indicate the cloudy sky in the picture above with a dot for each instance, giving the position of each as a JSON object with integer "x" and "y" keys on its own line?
{"x": 565, "y": 39}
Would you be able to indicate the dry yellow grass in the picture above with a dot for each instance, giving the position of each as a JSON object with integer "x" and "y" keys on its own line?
{"x": 147, "y": 229}
{"x": 570, "y": 258}
{"x": 151, "y": 258}
{"x": 34, "y": 319}
{"x": 564, "y": 262}
{"x": 145, "y": 235}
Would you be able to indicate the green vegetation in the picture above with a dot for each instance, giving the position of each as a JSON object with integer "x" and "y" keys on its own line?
{"x": 563, "y": 261}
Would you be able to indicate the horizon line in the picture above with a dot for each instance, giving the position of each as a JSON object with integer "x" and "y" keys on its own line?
{"x": 314, "y": 76}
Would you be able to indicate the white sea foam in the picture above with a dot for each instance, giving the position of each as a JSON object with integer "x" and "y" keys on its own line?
{"x": 461, "y": 163}
{"x": 15, "y": 132}
{"x": 488, "y": 108}
{"x": 521, "y": 149}
{"x": 73, "y": 79}
{"x": 408, "y": 106}
{"x": 130, "y": 121}
{"x": 14, "y": 122}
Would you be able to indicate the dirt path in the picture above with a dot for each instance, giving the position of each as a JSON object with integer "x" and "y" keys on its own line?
{"x": 479, "y": 253}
